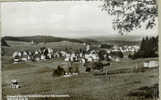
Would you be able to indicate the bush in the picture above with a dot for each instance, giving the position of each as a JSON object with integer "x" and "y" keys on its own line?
{"x": 106, "y": 46}
{"x": 103, "y": 55}
{"x": 59, "y": 71}
{"x": 88, "y": 69}
{"x": 117, "y": 53}
{"x": 98, "y": 66}
{"x": 74, "y": 68}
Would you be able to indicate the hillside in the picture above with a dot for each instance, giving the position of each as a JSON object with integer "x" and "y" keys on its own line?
{"x": 4, "y": 43}
{"x": 39, "y": 39}
{"x": 119, "y": 40}
{"x": 45, "y": 39}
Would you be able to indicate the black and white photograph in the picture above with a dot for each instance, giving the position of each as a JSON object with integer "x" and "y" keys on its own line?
{"x": 80, "y": 50}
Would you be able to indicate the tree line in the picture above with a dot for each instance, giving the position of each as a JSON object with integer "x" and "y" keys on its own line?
{"x": 148, "y": 48}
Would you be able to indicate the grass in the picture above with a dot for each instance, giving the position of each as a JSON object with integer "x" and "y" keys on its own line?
{"x": 146, "y": 92}
{"x": 124, "y": 81}
{"x": 37, "y": 78}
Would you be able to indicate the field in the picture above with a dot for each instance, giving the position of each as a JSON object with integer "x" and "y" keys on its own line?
{"x": 123, "y": 82}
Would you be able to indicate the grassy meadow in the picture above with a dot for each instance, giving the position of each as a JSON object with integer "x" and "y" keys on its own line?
{"x": 123, "y": 82}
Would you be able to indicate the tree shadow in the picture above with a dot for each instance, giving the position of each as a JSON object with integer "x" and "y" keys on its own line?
{"x": 146, "y": 92}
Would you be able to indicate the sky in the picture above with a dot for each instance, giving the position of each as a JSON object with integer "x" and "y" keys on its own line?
{"x": 59, "y": 18}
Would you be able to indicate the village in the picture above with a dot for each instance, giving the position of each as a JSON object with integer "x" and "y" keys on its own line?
{"x": 87, "y": 54}
{"x": 91, "y": 57}
{"x": 85, "y": 62}
{"x": 80, "y": 50}
{"x": 90, "y": 54}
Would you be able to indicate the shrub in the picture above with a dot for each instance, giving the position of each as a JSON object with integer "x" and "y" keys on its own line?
{"x": 103, "y": 55}
{"x": 59, "y": 71}
{"x": 106, "y": 46}
{"x": 75, "y": 68}
{"x": 117, "y": 53}
{"x": 98, "y": 66}
{"x": 88, "y": 69}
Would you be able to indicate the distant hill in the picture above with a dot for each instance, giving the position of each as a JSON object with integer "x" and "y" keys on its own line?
{"x": 4, "y": 43}
{"x": 44, "y": 39}
{"x": 119, "y": 40}
{"x": 103, "y": 39}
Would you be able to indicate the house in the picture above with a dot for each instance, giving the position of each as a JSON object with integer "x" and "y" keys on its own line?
{"x": 117, "y": 59}
{"x": 16, "y": 59}
{"x": 50, "y": 50}
{"x": 24, "y": 53}
{"x": 73, "y": 57}
{"x": 49, "y": 55}
{"x": 29, "y": 53}
{"x": 84, "y": 43}
{"x": 89, "y": 59}
{"x": 36, "y": 52}
{"x": 151, "y": 64}
{"x": 37, "y": 57}
{"x": 32, "y": 42}
{"x": 83, "y": 61}
{"x": 114, "y": 58}
{"x": 43, "y": 57}
{"x": 63, "y": 53}
{"x": 15, "y": 54}
{"x": 67, "y": 59}
{"x": 146, "y": 64}
{"x": 24, "y": 58}
{"x": 94, "y": 57}
{"x": 80, "y": 54}
{"x": 29, "y": 58}
{"x": 19, "y": 54}
{"x": 56, "y": 55}
{"x": 87, "y": 47}
{"x": 14, "y": 84}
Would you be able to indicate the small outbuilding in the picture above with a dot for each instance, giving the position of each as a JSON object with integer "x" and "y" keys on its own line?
{"x": 151, "y": 64}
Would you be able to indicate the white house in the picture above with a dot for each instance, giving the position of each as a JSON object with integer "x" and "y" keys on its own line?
{"x": 146, "y": 64}
{"x": 87, "y": 47}
{"x": 36, "y": 52}
{"x": 89, "y": 59}
{"x": 43, "y": 57}
{"x": 81, "y": 54}
{"x": 50, "y": 50}
{"x": 15, "y": 54}
{"x": 24, "y": 53}
{"x": 19, "y": 54}
{"x": 63, "y": 53}
{"x": 49, "y": 55}
{"x": 67, "y": 59}
{"x": 24, "y": 58}
{"x": 14, "y": 84}
{"x": 151, "y": 64}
